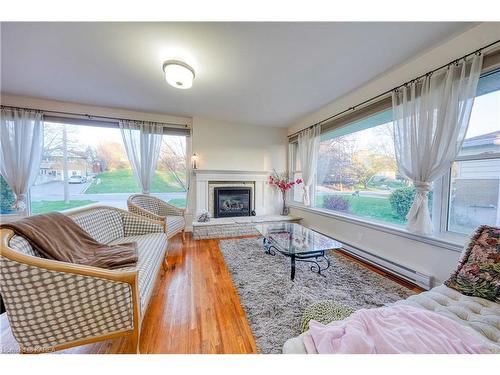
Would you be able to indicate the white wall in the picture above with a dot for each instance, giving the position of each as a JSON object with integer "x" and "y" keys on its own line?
{"x": 229, "y": 146}
{"x": 237, "y": 147}
{"x": 428, "y": 259}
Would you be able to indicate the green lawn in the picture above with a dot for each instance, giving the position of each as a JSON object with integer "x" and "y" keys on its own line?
{"x": 42, "y": 207}
{"x": 368, "y": 207}
{"x": 122, "y": 181}
{"x": 178, "y": 202}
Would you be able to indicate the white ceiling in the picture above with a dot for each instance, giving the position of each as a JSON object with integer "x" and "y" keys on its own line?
{"x": 254, "y": 73}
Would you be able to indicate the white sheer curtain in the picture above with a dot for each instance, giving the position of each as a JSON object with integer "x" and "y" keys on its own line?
{"x": 431, "y": 117}
{"x": 142, "y": 142}
{"x": 308, "y": 146}
{"x": 21, "y": 145}
{"x": 189, "y": 168}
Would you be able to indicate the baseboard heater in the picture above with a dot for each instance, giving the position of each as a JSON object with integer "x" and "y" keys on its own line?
{"x": 403, "y": 272}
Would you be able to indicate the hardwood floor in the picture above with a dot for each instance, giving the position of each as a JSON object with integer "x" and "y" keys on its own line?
{"x": 195, "y": 308}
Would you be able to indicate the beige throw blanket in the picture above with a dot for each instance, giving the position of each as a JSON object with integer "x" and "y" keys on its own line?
{"x": 58, "y": 237}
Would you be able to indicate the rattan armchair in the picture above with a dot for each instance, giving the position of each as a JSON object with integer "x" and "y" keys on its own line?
{"x": 54, "y": 305}
{"x": 157, "y": 209}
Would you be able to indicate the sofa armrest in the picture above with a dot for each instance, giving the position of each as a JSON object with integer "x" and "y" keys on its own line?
{"x": 295, "y": 345}
{"x": 53, "y": 305}
{"x": 135, "y": 209}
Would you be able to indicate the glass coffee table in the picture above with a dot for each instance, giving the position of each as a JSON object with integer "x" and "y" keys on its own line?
{"x": 299, "y": 244}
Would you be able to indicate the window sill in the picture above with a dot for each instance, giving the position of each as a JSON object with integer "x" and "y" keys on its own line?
{"x": 449, "y": 241}
{"x": 7, "y": 218}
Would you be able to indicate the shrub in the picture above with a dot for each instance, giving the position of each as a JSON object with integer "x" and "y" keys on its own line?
{"x": 401, "y": 200}
{"x": 336, "y": 203}
{"x": 7, "y": 197}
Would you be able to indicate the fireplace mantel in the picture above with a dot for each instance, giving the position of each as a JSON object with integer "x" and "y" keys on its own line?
{"x": 199, "y": 172}
{"x": 263, "y": 194}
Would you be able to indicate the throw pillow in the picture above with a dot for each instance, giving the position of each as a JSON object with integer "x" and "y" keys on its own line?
{"x": 478, "y": 272}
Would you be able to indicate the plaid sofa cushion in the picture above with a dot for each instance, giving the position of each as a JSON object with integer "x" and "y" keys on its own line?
{"x": 22, "y": 245}
{"x": 133, "y": 226}
{"x": 151, "y": 249}
{"x": 175, "y": 224}
{"x": 104, "y": 225}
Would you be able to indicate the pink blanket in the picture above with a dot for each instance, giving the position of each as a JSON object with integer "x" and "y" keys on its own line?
{"x": 391, "y": 330}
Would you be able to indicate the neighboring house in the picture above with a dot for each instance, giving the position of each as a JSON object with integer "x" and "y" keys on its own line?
{"x": 46, "y": 173}
{"x": 471, "y": 176}
{"x": 80, "y": 163}
{"x": 53, "y": 170}
{"x": 482, "y": 144}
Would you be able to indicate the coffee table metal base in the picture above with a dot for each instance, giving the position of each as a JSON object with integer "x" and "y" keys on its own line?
{"x": 316, "y": 258}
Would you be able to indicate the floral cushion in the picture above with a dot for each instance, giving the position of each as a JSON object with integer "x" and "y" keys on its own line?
{"x": 478, "y": 272}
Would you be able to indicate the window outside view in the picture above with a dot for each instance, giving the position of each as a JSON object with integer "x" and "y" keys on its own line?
{"x": 7, "y": 197}
{"x": 475, "y": 176}
{"x": 357, "y": 171}
{"x": 98, "y": 170}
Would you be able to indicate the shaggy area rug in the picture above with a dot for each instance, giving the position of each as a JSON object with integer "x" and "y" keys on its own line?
{"x": 274, "y": 304}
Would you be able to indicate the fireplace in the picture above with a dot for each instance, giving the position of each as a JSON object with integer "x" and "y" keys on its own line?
{"x": 232, "y": 201}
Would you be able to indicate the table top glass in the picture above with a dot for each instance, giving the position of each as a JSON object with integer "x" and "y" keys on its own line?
{"x": 294, "y": 238}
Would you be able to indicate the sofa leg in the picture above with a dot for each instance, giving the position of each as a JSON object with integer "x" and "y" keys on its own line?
{"x": 165, "y": 264}
{"x": 134, "y": 343}
{"x": 183, "y": 235}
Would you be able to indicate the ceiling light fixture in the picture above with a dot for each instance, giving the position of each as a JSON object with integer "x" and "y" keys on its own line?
{"x": 178, "y": 74}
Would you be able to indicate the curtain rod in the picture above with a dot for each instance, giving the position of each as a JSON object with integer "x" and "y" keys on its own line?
{"x": 395, "y": 88}
{"x": 92, "y": 117}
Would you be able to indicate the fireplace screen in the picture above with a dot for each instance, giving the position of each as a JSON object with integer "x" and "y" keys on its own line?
{"x": 232, "y": 201}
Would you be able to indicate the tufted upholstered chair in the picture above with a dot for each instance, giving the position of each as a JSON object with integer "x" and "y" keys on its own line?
{"x": 157, "y": 209}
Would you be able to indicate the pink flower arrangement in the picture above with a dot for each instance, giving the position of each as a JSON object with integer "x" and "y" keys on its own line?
{"x": 282, "y": 182}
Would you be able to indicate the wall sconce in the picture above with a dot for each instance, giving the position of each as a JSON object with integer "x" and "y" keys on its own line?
{"x": 194, "y": 160}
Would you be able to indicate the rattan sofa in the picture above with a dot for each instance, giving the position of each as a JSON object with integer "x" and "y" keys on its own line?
{"x": 157, "y": 209}
{"x": 54, "y": 305}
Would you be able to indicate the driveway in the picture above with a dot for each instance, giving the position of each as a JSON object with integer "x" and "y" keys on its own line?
{"x": 54, "y": 191}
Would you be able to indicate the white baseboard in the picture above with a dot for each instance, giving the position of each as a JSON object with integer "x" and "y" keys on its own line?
{"x": 415, "y": 277}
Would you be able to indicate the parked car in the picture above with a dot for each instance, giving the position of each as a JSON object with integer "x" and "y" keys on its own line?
{"x": 77, "y": 180}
